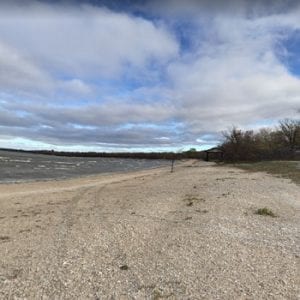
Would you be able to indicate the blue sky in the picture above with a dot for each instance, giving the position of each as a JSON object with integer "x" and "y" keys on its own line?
{"x": 144, "y": 75}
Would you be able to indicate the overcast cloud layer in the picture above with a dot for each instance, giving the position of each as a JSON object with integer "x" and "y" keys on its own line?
{"x": 144, "y": 76}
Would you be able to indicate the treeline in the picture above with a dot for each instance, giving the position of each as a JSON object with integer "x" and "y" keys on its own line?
{"x": 283, "y": 142}
{"x": 136, "y": 155}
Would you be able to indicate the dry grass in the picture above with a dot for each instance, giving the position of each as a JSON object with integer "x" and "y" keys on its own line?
{"x": 285, "y": 169}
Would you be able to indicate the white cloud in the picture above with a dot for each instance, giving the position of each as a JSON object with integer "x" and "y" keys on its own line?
{"x": 235, "y": 78}
{"x": 76, "y": 86}
{"x": 232, "y": 74}
{"x": 18, "y": 72}
{"x": 85, "y": 40}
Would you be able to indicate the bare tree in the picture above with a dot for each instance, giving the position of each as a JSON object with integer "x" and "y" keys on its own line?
{"x": 290, "y": 130}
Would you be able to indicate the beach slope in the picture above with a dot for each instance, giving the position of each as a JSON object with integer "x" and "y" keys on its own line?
{"x": 191, "y": 234}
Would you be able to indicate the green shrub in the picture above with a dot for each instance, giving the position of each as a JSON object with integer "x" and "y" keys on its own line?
{"x": 265, "y": 212}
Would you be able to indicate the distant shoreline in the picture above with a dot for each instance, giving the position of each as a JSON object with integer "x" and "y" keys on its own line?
{"x": 135, "y": 155}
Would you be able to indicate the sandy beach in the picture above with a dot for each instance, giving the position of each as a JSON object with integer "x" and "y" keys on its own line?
{"x": 152, "y": 234}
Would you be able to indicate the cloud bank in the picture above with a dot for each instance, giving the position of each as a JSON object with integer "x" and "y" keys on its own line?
{"x": 146, "y": 76}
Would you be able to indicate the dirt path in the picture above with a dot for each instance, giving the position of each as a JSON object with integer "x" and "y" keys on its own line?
{"x": 191, "y": 234}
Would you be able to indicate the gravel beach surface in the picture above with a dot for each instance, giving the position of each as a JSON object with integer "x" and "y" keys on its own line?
{"x": 191, "y": 234}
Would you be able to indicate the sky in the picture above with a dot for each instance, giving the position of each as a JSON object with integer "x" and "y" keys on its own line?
{"x": 144, "y": 75}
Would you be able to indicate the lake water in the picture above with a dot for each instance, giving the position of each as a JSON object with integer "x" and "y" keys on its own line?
{"x": 19, "y": 167}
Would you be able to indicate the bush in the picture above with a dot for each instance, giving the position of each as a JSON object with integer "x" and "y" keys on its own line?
{"x": 265, "y": 212}
{"x": 266, "y": 144}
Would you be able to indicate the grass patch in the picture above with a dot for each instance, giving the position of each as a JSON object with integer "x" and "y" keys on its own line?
{"x": 190, "y": 200}
{"x": 265, "y": 212}
{"x": 285, "y": 169}
{"x": 4, "y": 238}
{"x": 124, "y": 267}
